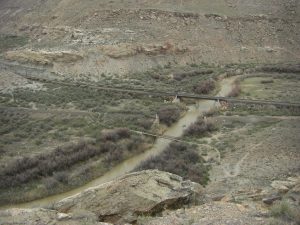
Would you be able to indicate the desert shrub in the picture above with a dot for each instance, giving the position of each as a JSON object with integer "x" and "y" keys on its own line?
{"x": 180, "y": 159}
{"x": 11, "y": 41}
{"x": 168, "y": 114}
{"x": 145, "y": 123}
{"x": 107, "y": 146}
{"x": 116, "y": 152}
{"x": 236, "y": 91}
{"x": 61, "y": 177}
{"x": 115, "y": 134}
{"x": 179, "y": 76}
{"x": 132, "y": 144}
{"x": 21, "y": 164}
{"x": 116, "y": 155}
{"x": 204, "y": 87}
{"x": 50, "y": 183}
{"x": 242, "y": 109}
{"x": 280, "y": 69}
{"x": 21, "y": 134}
{"x": 182, "y": 75}
{"x": 11, "y": 121}
{"x": 157, "y": 76}
{"x": 212, "y": 112}
{"x": 2, "y": 149}
{"x": 38, "y": 142}
{"x": 267, "y": 81}
{"x": 285, "y": 211}
{"x": 26, "y": 169}
{"x": 200, "y": 128}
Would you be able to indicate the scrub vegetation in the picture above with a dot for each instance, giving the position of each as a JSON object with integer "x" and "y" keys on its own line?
{"x": 53, "y": 171}
{"x": 11, "y": 41}
{"x": 181, "y": 159}
{"x": 59, "y": 137}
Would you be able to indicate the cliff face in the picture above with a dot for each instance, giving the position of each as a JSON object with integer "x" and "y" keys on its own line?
{"x": 118, "y": 37}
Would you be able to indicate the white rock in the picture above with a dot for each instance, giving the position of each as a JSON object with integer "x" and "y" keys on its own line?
{"x": 279, "y": 186}
{"x": 63, "y": 216}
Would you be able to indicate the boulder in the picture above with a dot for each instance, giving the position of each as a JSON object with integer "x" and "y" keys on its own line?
{"x": 142, "y": 193}
{"x": 283, "y": 186}
{"x": 272, "y": 198}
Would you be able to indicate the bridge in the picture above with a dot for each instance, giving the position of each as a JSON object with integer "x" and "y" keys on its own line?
{"x": 23, "y": 71}
{"x": 149, "y": 92}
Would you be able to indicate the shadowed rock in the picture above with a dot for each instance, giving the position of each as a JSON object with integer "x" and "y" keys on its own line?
{"x": 142, "y": 193}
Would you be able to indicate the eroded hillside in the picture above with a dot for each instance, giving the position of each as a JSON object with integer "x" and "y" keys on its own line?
{"x": 117, "y": 37}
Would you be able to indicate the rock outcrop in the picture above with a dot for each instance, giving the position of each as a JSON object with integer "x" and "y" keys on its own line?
{"x": 42, "y": 57}
{"x": 142, "y": 193}
{"x": 120, "y": 201}
{"x": 127, "y": 50}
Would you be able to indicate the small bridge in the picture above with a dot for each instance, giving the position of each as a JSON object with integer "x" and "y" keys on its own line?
{"x": 149, "y": 92}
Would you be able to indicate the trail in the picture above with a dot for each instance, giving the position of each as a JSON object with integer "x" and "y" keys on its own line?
{"x": 237, "y": 167}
